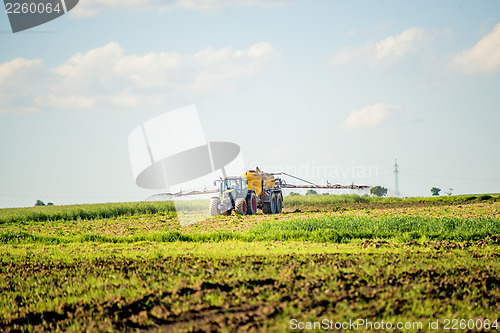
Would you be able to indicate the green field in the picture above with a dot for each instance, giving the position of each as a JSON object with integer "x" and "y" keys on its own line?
{"x": 326, "y": 259}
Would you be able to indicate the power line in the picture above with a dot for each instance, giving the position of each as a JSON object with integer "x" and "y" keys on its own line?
{"x": 448, "y": 177}
{"x": 58, "y": 191}
{"x": 458, "y": 172}
{"x": 62, "y": 196}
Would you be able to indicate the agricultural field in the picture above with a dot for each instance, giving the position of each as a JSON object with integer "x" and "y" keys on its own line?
{"x": 426, "y": 264}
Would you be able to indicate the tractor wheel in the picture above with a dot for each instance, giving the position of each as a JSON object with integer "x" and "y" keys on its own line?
{"x": 279, "y": 203}
{"x": 252, "y": 204}
{"x": 241, "y": 206}
{"x": 270, "y": 207}
{"x": 214, "y": 206}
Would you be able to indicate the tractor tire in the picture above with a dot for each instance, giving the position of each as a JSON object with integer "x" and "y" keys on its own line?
{"x": 241, "y": 206}
{"x": 279, "y": 203}
{"x": 214, "y": 206}
{"x": 252, "y": 204}
{"x": 270, "y": 207}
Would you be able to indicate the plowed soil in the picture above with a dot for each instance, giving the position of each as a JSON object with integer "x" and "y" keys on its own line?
{"x": 255, "y": 292}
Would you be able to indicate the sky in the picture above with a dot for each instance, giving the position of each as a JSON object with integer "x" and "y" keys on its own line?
{"x": 326, "y": 90}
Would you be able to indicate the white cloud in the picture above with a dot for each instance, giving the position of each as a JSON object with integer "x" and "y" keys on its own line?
{"x": 67, "y": 102}
{"x": 384, "y": 51}
{"x": 92, "y": 7}
{"x": 397, "y": 46}
{"x": 352, "y": 32}
{"x": 369, "y": 116}
{"x": 16, "y": 83}
{"x": 344, "y": 56}
{"x": 12, "y": 70}
{"x": 482, "y": 57}
{"x": 108, "y": 76}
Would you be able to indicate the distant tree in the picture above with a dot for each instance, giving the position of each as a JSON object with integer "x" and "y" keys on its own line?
{"x": 39, "y": 203}
{"x": 50, "y": 204}
{"x": 435, "y": 191}
{"x": 379, "y": 191}
{"x": 450, "y": 191}
{"x": 292, "y": 194}
{"x": 311, "y": 192}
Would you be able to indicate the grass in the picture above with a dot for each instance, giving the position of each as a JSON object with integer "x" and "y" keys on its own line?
{"x": 347, "y": 228}
{"x": 129, "y": 267}
{"x": 113, "y": 210}
{"x": 326, "y": 199}
{"x": 231, "y": 285}
{"x": 333, "y": 229}
{"x": 83, "y": 212}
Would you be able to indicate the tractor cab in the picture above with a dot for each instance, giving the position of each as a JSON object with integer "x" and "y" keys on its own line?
{"x": 237, "y": 183}
{"x": 233, "y": 192}
{"x": 233, "y": 188}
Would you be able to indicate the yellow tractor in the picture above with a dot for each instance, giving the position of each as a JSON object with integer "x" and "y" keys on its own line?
{"x": 244, "y": 194}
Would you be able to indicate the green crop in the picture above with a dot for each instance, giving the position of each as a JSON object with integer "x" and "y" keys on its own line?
{"x": 334, "y": 229}
{"x": 132, "y": 267}
{"x": 83, "y": 212}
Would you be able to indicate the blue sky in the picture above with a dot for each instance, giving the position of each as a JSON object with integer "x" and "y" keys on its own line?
{"x": 333, "y": 90}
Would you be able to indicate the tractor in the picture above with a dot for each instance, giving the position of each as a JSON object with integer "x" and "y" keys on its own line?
{"x": 244, "y": 194}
